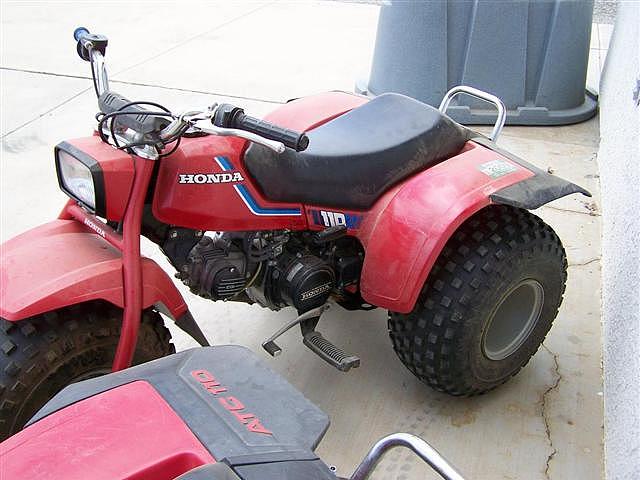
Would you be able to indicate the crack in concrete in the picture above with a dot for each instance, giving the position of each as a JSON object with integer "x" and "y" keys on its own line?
{"x": 42, "y": 72}
{"x": 130, "y": 67}
{"x": 141, "y": 84}
{"x": 588, "y": 262}
{"x": 29, "y": 122}
{"x": 194, "y": 37}
{"x": 568, "y": 210}
{"x": 544, "y": 413}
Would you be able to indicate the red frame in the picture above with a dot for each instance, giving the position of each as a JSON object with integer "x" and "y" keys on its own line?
{"x": 79, "y": 258}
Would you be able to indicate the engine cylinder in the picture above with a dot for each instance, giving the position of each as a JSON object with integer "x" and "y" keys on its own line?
{"x": 215, "y": 269}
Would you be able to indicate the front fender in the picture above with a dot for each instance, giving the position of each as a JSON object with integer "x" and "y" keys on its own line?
{"x": 408, "y": 227}
{"x": 63, "y": 263}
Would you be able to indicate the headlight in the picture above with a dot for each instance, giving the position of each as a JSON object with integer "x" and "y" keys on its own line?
{"x": 76, "y": 179}
{"x": 79, "y": 176}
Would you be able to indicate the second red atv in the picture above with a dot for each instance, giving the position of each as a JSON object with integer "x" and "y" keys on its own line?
{"x": 369, "y": 203}
{"x": 215, "y": 413}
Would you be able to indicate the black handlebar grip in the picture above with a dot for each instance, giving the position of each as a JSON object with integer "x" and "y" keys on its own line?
{"x": 230, "y": 116}
{"x": 110, "y": 102}
{"x": 292, "y": 139}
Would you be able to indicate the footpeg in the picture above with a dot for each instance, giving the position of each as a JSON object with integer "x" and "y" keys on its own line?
{"x": 330, "y": 353}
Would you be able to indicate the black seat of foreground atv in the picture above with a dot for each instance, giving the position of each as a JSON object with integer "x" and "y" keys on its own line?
{"x": 352, "y": 160}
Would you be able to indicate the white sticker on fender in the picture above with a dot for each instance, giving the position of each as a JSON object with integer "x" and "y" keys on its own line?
{"x": 497, "y": 168}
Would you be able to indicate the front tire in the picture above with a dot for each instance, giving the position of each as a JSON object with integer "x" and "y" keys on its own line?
{"x": 487, "y": 304}
{"x": 43, "y": 354}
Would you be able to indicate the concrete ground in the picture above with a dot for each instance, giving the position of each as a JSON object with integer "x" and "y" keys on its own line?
{"x": 545, "y": 423}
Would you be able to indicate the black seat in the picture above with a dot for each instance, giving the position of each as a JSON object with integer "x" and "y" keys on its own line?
{"x": 352, "y": 160}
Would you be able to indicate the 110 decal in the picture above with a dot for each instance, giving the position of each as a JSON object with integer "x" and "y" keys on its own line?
{"x": 327, "y": 218}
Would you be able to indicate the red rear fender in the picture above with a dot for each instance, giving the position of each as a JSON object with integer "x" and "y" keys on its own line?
{"x": 407, "y": 228}
{"x": 63, "y": 263}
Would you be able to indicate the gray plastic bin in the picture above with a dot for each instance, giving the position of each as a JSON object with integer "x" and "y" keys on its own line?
{"x": 532, "y": 54}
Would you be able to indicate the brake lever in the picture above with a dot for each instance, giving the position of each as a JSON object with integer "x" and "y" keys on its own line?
{"x": 277, "y": 147}
{"x": 191, "y": 117}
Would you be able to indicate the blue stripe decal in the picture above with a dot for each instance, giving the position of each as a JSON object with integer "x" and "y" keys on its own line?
{"x": 248, "y": 199}
{"x": 224, "y": 163}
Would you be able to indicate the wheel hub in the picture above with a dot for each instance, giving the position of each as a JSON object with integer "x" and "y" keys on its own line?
{"x": 513, "y": 320}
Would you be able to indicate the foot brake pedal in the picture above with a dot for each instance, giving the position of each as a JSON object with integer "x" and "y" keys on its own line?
{"x": 329, "y": 352}
{"x": 270, "y": 344}
{"x": 272, "y": 348}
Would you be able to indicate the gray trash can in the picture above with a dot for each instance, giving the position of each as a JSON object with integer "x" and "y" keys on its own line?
{"x": 533, "y": 54}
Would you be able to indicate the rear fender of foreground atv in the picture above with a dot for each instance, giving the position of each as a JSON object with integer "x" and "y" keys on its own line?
{"x": 64, "y": 263}
{"x": 408, "y": 227}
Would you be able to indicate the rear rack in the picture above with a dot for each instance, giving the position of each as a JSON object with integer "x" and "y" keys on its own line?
{"x": 479, "y": 94}
{"x": 421, "y": 448}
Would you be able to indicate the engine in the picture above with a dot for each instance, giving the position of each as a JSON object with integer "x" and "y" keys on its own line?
{"x": 301, "y": 280}
{"x": 215, "y": 269}
{"x": 275, "y": 269}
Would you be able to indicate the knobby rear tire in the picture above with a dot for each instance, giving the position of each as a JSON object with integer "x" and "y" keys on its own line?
{"x": 443, "y": 341}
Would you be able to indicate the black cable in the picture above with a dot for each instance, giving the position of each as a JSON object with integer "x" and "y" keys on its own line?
{"x": 175, "y": 147}
{"x": 257, "y": 254}
{"x": 104, "y": 117}
{"x": 112, "y": 116}
{"x": 93, "y": 77}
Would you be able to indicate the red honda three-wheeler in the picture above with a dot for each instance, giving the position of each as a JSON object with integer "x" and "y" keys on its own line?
{"x": 367, "y": 203}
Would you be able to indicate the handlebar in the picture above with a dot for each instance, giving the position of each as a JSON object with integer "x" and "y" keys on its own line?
{"x": 160, "y": 127}
{"x": 229, "y": 116}
{"x": 141, "y": 121}
{"x": 292, "y": 139}
{"x": 88, "y": 42}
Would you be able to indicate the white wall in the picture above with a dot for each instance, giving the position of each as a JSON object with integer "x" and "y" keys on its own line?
{"x": 619, "y": 162}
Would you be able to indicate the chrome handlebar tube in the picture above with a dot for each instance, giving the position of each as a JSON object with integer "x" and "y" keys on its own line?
{"x": 99, "y": 72}
{"x": 185, "y": 120}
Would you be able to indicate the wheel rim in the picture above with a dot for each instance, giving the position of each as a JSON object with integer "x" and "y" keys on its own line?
{"x": 91, "y": 374}
{"x": 513, "y": 320}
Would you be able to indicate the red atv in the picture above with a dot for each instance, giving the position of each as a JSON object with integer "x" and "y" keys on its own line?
{"x": 215, "y": 413}
{"x": 382, "y": 202}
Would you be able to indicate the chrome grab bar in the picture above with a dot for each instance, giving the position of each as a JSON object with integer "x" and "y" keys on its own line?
{"x": 479, "y": 94}
{"x": 421, "y": 448}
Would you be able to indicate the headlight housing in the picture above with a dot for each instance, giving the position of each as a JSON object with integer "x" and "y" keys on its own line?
{"x": 80, "y": 177}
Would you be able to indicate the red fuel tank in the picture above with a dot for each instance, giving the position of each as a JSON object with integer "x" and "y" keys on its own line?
{"x": 205, "y": 186}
